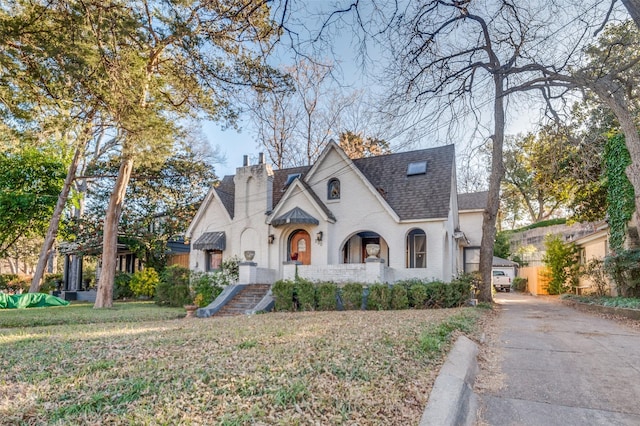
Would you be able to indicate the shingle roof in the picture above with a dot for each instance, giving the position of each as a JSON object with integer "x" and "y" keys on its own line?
{"x": 473, "y": 200}
{"x": 280, "y": 179}
{"x": 422, "y": 196}
{"x": 226, "y": 191}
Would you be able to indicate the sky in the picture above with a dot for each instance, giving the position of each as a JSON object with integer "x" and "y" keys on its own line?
{"x": 523, "y": 114}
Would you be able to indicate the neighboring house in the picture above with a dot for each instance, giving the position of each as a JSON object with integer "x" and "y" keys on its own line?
{"x": 509, "y": 267}
{"x": 593, "y": 246}
{"x": 324, "y": 221}
{"x": 471, "y": 208}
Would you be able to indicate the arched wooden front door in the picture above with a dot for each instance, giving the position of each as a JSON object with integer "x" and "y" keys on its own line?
{"x": 300, "y": 246}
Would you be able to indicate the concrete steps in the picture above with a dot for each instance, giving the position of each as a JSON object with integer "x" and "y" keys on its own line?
{"x": 246, "y": 300}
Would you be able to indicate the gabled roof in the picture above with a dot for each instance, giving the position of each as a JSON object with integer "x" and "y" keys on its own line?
{"x": 226, "y": 192}
{"x": 422, "y": 196}
{"x": 473, "y": 200}
{"x": 295, "y": 216}
{"x": 498, "y": 261}
{"x": 280, "y": 179}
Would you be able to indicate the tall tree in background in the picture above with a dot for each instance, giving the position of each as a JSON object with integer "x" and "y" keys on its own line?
{"x": 170, "y": 62}
{"x": 30, "y": 181}
{"x": 143, "y": 66}
{"x": 537, "y": 172}
{"x": 295, "y": 125}
{"x": 44, "y": 88}
{"x": 163, "y": 197}
{"x": 457, "y": 56}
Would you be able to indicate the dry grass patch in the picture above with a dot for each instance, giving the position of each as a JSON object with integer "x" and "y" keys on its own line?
{"x": 349, "y": 367}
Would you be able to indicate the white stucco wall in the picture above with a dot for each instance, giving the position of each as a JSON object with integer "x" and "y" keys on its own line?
{"x": 359, "y": 209}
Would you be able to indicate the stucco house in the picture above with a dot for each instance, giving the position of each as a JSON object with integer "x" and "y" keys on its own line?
{"x": 376, "y": 219}
{"x": 593, "y": 246}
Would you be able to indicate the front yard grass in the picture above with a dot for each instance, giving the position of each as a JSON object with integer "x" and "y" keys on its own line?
{"x": 83, "y": 313}
{"x": 352, "y": 367}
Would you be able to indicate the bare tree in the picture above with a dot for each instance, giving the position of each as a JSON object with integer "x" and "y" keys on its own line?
{"x": 460, "y": 59}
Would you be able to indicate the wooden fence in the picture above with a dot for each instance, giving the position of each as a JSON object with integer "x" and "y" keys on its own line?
{"x": 537, "y": 279}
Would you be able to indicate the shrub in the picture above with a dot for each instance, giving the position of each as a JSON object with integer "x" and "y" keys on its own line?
{"x": 143, "y": 283}
{"x": 519, "y": 284}
{"x": 447, "y": 295}
{"x": 326, "y": 294}
{"x": 231, "y": 269}
{"x": 121, "y": 289}
{"x": 305, "y": 295}
{"x": 562, "y": 261}
{"x": 50, "y": 283}
{"x": 283, "y": 292}
{"x": 5, "y": 279}
{"x": 172, "y": 295}
{"x": 594, "y": 271}
{"x": 379, "y": 297}
{"x": 351, "y": 296}
{"x": 624, "y": 269}
{"x": 418, "y": 295}
{"x": 173, "y": 289}
{"x": 399, "y": 297}
{"x": 13, "y": 283}
{"x": 206, "y": 287}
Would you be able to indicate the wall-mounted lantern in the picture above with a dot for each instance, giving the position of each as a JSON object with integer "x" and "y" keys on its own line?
{"x": 271, "y": 238}
{"x": 319, "y": 236}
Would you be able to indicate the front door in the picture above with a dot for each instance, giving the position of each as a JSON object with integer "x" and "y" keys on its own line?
{"x": 300, "y": 247}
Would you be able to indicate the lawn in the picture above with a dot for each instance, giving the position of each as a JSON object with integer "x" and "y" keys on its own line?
{"x": 354, "y": 367}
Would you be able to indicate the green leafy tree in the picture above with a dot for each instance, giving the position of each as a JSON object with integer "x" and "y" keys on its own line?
{"x": 502, "y": 246}
{"x": 537, "y": 172}
{"x": 30, "y": 181}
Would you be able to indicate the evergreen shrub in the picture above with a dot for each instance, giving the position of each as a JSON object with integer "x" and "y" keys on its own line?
{"x": 305, "y": 295}
{"x": 399, "y": 297}
{"x": 121, "y": 289}
{"x": 379, "y": 297}
{"x": 351, "y": 296}
{"x": 283, "y": 293}
{"x": 326, "y": 294}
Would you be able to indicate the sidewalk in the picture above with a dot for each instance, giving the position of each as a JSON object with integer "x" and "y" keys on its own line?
{"x": 559, "y": 366}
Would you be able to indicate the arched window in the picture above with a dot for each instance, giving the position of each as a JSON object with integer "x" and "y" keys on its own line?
{"x": 417, "y": 249}
{"x": 333, "y": 189}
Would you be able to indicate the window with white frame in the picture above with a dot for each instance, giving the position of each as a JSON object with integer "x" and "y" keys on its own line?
{"x": 417, "y": 249}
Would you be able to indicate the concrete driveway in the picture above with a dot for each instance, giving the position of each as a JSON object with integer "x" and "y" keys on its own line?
{"x": 560, "y": 366}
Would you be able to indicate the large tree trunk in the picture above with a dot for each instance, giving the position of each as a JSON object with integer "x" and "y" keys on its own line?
{"x": 633, "y": 7}
{"x": 104, "y": 297}
{"x": 493, "y": 201}
{"x": 52, "y": 232}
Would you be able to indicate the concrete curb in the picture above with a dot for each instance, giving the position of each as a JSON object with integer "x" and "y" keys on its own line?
{"x": 610, "y": 310}
{"x": 452, "y": 401}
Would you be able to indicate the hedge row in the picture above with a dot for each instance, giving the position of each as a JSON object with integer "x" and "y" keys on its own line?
{"x": 304, "y": 295}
